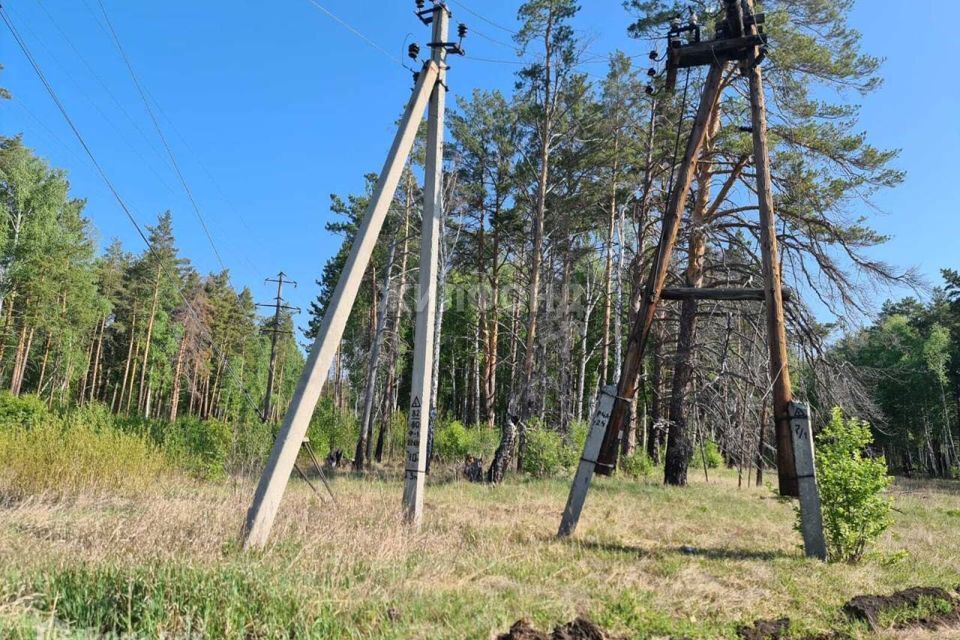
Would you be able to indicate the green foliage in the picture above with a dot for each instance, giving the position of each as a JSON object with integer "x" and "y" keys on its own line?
{"x": 252, "y": 441}
{"x": 331, "y": 429}
{"x": 57, "y": 458}
{"x": 168, "y": 600}
{"x": 453, "y": 441}
{"x": 200, "y": 447}
{"x": 855, "y": 511}
{"x": 24, "y": 411}
{"x": 637, "y": 465}
{"x": 547, "y": 454}
{"x": 711, "y": 454}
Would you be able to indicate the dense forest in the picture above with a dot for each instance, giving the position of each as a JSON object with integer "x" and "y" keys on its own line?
{"x": 554, "y": 195}
{"x": 141, "y": 332}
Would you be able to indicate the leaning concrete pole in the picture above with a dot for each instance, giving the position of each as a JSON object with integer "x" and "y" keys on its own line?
{"x": 273, "y": 482}
{"x": 422, "y": 381}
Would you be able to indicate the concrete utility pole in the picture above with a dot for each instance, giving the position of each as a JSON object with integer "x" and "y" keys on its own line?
{"x": 275, "y": 332}
{"x": 273, "y": 482}
{"x": 429, "y": 87}
{"x": 422, "y": 381}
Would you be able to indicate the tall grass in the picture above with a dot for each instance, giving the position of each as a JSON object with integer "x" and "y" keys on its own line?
{"x": 45, "y": 454}
{"x": 166, "y": 600}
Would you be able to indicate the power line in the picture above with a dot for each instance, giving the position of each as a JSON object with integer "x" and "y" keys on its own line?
{"x": 116, "y": 194}
{"x": 163, "y": 138}
{"x": 346, "y": 25}
{"x": 484, "y": 18}
{"x": 73, "y": 127}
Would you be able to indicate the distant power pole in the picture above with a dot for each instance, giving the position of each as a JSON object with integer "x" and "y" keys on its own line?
{"x": 275, "y": 331}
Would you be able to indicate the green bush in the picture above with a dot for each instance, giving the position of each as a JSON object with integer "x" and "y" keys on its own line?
{"x": 22, "y": 411}
{"x": 637, "y": 465}
{"x": 252, "y": 441}
{"x": 200, "y": 447}
{"x": 546, "y": 453}
{"x": 855, "y": 511}
{"x": 95, "y": 415}
{"x": 711, "y": 454}
{"x": 58, "y": 459}
{"x": 453, "y": 441}
{"x": 331, "y": 429}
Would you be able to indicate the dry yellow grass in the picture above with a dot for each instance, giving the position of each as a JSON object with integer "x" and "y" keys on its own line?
{"x": 487, "y": 556}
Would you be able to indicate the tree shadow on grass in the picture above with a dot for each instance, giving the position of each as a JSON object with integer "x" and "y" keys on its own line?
{"x": 711, "y": 553}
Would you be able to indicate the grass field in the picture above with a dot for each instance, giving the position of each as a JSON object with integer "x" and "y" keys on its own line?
{"x": 647, "y": 562}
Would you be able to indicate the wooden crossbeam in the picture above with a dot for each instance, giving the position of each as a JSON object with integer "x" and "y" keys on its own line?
{"x": 703, "y": 53}
{"x": 731, "y": 295}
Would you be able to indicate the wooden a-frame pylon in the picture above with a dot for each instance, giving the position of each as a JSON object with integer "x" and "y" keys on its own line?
{"x": 740, "y": 40}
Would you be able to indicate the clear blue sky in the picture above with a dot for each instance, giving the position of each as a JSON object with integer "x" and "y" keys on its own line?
{"x": 270, "y": 107}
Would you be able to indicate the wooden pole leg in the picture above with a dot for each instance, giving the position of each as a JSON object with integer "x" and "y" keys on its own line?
{"x": 591, "y": 449}
{"x": 811, "y": 516}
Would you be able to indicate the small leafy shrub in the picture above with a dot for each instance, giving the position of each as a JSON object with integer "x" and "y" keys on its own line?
{"x": 546, "y": 453}
{"x": 200, "y": 447}
{"x": 96, "y": 416}
{"x": 331, "y": 429}
{"x": 711, "y": 454}
{"x": 637, "y": 465}
{"x": 578, "y": 436}
{"x": 855, "y": 511}
{"x": 252, "y": 441}
{"x": 454, "y": 441}
{"x": 22, "y": 411}
{"x": 58, "y": 460}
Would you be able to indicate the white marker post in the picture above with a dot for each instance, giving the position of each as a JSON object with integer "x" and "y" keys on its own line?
{"x": 811, "y": 517}
{"x": 422, "y": 385}
{"x": 275, "y": 476}
{"x": 591, "y": 450}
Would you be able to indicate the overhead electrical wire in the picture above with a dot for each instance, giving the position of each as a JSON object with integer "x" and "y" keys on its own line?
{"x": 73, "y": 127}
{"x": 21, "y": 43}
{"x": 346, "y": 25}
{"x": 163, "y": 138}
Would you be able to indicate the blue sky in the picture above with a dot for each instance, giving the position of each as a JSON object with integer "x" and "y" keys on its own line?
{"x": 270, "y": 107}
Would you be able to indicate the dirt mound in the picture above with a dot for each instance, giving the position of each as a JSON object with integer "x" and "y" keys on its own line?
{"x": 779, "y": 630}
{"x": 870, "y": 608}
{"x": 579, "y": 629}
{"x": 765, "y": 630}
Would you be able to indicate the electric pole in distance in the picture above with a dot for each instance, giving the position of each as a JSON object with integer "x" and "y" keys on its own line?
{"x": 275, "y": 331}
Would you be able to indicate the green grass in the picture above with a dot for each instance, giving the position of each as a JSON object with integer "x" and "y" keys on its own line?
{"x": 169, "y": 563}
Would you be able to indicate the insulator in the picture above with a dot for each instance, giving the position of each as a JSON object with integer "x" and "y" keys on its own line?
{"x": 675, "y": 22}
{"x": 652, "y": 72}
{"x": 649, "y": 89}
{"x": 462, "y": 31}
{"x": 413, "y": 51}
{"x": 420, "y": 4}
{"x": 654, "y": 55}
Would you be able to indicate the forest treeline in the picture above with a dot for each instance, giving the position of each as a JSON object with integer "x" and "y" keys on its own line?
{"x": 141, "y": 332}
{"x": 554, "y": 194}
